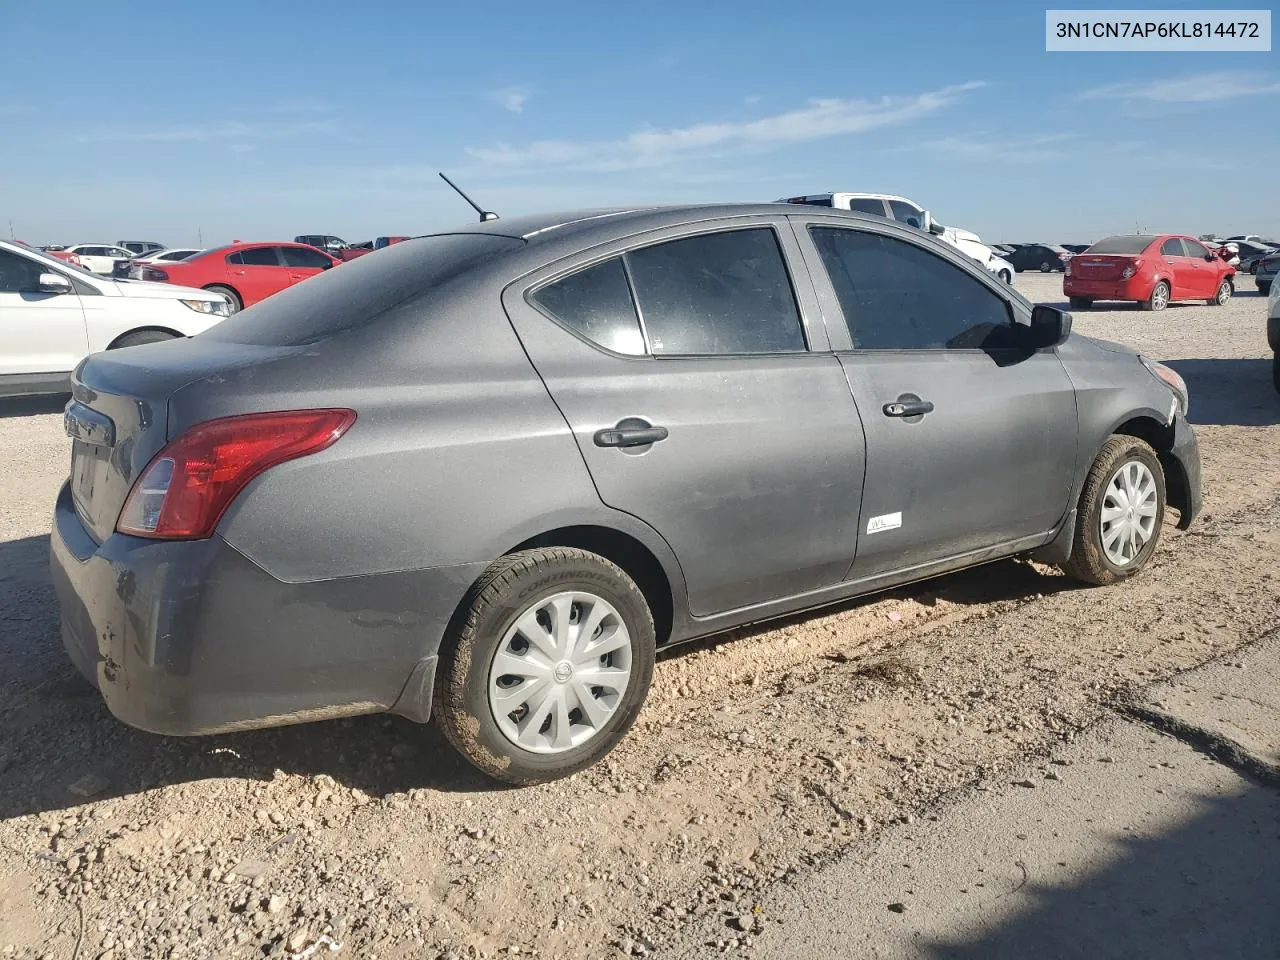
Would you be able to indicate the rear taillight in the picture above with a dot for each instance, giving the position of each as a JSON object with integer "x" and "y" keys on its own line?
{"x": 189, "y": 484}
{"x": 1131, "y": 269}
{"x": 155, "y": 274}
{"x": 1067, "y": 269}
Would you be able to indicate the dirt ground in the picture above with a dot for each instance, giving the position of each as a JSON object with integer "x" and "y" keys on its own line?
{"x": 756, "y": 755}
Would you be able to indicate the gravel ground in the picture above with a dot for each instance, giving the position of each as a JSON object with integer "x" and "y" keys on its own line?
{"x": 756, "y": 755}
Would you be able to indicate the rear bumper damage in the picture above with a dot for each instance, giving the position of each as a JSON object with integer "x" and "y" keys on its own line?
{"x": 192, "y": 637}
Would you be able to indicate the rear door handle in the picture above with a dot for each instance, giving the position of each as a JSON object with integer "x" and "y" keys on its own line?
{"x": 908, "y": 408}
{"x": 628, "y": 434}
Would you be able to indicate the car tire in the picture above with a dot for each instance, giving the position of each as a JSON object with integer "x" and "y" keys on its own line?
{"x": 1125, "y": 474}
{"x": 1264, "y": 289}
{"x": 1046, "y": 267}
{"x": 1159, "y": 298}
{"x": 536, "y": 588}
{"x": 1275, "y": 371}
{"x": 233, "y": 298}
{"x": 1080, "y": 303}
{"x": 1225, "y": 289}
{"x": 1253, "y": 269}
{"x": 139, "y": 337}
{"x": 1005, "y": 276}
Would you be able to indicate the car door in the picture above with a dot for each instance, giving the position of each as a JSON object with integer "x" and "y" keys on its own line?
{"x": 971, "y": 436}
{"x": 1181, "y": 274}
{"x": 304, "y": 262}
{"x": 257, "y": 273}
{"x": 1204, "y": 273}
{"x": 39, "y": 332}
{"x": 713, "y": 412}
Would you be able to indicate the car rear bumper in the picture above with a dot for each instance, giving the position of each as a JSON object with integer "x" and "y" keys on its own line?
{"x": 192, "y": 637}
{"x": 1106, "y": 289}
{"x": 1185, "y": 493}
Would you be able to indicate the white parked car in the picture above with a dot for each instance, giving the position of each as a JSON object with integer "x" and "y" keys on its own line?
{"x": 99, "y": 257}
{"x": 53, "y": 314}
{"x": 1001, "y": 267}
{"x": 877, "y": 204}
{"x": 137, "y": 264}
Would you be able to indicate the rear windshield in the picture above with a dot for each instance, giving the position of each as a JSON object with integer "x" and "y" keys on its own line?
{"x": 1122, "y": 244}
{"x": 352, "y": 294}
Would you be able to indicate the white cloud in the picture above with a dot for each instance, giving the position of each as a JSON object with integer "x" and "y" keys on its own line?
{"x": 1193, "y": 88}
{"x": 819, "y": 119}
{"x": 224, "y": 131}
{"x": 1032, "y": 148}
{"x": 510, "y": 98}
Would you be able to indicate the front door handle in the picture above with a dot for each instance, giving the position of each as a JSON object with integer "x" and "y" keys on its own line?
{"x": 904, "y": 407}
{"x": 631, "y": 432}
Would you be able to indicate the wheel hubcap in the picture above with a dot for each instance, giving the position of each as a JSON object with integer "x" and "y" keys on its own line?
{"x": 1161, "y": 297}
{"x": 1224, "y": 293}
{"x": 560, "y": 672}
{"x": 1129, "y": 509}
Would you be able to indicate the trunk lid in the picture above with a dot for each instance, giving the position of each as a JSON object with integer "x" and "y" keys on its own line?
{"x": 1099, "y": 266}
{"x": 118, "y": 415}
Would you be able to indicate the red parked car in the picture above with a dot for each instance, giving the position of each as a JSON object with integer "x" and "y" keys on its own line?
{"x": 244, "y": 273}
{"x": 1152, "y": 271}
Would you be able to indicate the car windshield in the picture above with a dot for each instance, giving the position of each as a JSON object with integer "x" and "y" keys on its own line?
{"x": 1128, "y": 244}
{"x": 361, "y": 291}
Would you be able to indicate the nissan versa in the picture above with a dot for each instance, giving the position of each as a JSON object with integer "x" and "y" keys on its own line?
{"x": 484, "y": 474}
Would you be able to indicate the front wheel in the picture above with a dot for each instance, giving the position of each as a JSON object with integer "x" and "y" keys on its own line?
{"x": 139, "y": 337}
{"x": 1253, "y": 269}
{"x": 1046, "y": 267}
{"x": 1159, "y": 298}
{"x": 550, "y": 667}
{"x": 1223, "y": 295}
{"x": 1120, "y": 513}
{"x": 1005, "y": 276}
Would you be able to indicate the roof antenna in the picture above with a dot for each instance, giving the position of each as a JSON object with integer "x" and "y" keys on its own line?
{"x": 484, "y": 214}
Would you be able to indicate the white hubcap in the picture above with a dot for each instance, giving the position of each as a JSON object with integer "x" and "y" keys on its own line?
{"x": 560, "y": 672}
{"x": 1129, "y": 509}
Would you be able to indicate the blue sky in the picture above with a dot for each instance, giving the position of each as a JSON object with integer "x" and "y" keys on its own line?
{"x": 241, "y": 120}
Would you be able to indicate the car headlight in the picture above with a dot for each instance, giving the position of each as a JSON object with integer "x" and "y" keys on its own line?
{"x": 1171, "y": 379}
{"x": 217, "y": 308}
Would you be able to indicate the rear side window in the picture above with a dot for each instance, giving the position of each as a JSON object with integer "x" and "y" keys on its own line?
{"x": 304, "y": 257}
{"x": 717, "y": 294}
{"x": 596, "y": 303}
{"x": 259, "y": 257}
{"x": 870, "y": 205}
{"x": 897, "y": 296}
{"x": 362, "y": 291}
{"x": 1171, "y": 248}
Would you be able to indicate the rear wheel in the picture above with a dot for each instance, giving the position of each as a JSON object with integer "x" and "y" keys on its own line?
{"x": 1120, "y": 513}
{"x": 139, "y": 337}
{"x": 1253, "y": 268}
{"x": 1159, "y": 298}
{"x": 231, "y": 296}
{"x": 550, "y": 667}
{"x": 1081, "y": 303}
{"x": 1223, "y": 295}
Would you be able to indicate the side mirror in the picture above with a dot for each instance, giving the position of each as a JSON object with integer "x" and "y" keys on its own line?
{"x": 1049, "y": 326}
{"x": 53, "y": 283}
{"x": 1210, "y": 257}
{"x": 936, "y": 228}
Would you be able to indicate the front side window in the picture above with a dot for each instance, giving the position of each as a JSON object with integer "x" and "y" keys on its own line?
{"x": 717, "y": 294}
{"x": 1171, "y": 248}
{"x": 907, "y": 213}
{"x": 1195, "y": 249}
{"x": 259, "y": 257}
{"x": 898, "y": 296}
{"x": 18, "y": 274}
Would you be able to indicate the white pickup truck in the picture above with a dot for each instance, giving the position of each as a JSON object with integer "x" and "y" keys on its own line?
{"x": 913, "y": 215}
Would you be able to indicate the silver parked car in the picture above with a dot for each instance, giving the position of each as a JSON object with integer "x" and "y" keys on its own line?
{"x": 483, "y": 475}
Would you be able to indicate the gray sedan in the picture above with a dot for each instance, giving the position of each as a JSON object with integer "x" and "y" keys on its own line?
{"x": 485, "y": 474}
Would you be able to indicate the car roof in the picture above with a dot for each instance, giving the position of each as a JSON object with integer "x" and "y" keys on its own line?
{"x": 583, "y": 227}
